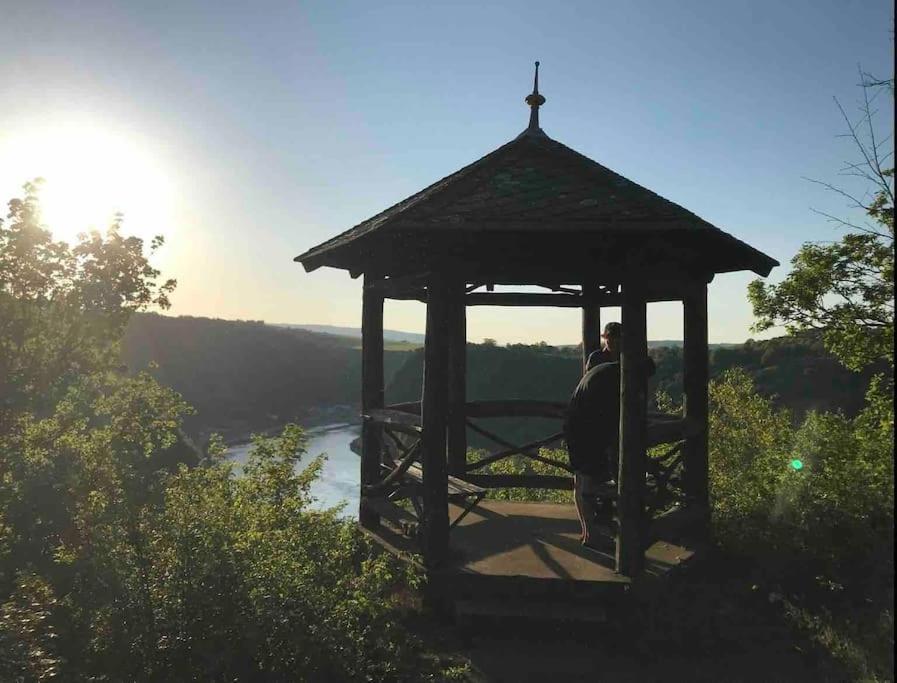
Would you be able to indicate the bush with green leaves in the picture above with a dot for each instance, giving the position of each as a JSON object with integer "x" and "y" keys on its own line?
{"x": 205, "y": 574}
{"x": 750, "y": 448}
{"x": 521, "y": 465}
{"x": 823, "y": 493}
{"x": 842, "y": 499}
{"x": 121, "y": 557}
{"x": 244, "y": 580}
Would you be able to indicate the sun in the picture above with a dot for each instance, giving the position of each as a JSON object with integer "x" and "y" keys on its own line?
{"x": 91, "y": 173}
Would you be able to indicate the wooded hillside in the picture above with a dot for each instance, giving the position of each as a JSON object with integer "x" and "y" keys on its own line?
{"x": 797, "y": 373}
{"x": 246, "y": 375}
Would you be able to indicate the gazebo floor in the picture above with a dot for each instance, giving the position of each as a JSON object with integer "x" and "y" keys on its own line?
{"x": 504, "y": 548}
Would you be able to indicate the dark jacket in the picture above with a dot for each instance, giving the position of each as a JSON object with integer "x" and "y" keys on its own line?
{"x": 593, "y": 420}
{"x": 596, "y": 358}
{"x": 603, "y": 356}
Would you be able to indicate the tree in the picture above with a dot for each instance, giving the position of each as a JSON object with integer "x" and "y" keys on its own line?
{"x": 831, "y": 507}
{"x": 845, "y": 289}
{"x": 62, "y": 308}
{"x": 118, "y": 561}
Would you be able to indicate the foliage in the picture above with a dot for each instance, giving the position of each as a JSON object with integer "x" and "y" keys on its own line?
{"x": 844, "y": 509}
{"x": 522, "y": 465}
{"x": 62, "y": 309}
{"x": 845, "y": 288}
{"x": 750, "y": 447}
{"x": 863, "y": 641}
{"x": 265, "y": 584}
{"x": 823, "y": 534}
{"x": 243, "y": 375}
{"x": 834, "y": 510}
{"x": 858, "y": 270}
{"x": 28, "y": 645}
{"x": 206, "y": 575}
{"x": 120, "y": 558}
{"x": 827, "y": 521}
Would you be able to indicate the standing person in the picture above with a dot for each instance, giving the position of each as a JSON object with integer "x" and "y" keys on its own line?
{"x": 610, "y": 349}
{"x": 610, "y": 346}
{"x": 591, "y": 430}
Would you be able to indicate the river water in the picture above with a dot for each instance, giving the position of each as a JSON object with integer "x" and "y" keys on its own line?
{"x": 338, "y": 482}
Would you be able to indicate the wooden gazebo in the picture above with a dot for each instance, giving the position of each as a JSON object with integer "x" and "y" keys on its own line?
{"x": 531, "y": 213}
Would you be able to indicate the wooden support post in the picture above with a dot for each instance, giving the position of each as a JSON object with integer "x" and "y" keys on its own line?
{"x": 630, "y": 555}
{"x": 434, "y": 405}
{"x": 696, "y": 376}
{"x": 456, "y": 435}
{"x": 371, "y": 392}
{"x": 591, "y": 323}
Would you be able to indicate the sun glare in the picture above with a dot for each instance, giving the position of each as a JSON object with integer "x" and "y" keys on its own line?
{"x": 90, "y": 174}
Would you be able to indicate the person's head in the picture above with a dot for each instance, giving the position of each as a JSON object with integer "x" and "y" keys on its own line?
{"x": 613, "y": 333}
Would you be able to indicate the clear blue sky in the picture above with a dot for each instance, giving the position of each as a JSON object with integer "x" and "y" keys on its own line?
{"x": 249, "y": 132}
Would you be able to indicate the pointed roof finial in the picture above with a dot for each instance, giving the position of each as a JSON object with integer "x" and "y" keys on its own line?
{"x": 534, "y": 100}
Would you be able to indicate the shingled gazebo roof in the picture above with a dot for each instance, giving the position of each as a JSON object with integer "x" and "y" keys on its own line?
{"x": 536, "y": 196}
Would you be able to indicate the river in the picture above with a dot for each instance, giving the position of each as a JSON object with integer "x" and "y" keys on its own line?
{"x": 338, "y": 482}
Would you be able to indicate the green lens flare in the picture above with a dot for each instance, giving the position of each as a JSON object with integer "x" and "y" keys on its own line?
{"x": 797, "y": 464}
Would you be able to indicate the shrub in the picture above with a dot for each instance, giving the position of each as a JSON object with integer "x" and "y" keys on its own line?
{"x": 750, "y": 446}
{"x": 522, "y": 465}
{"x": 120, "y": 559}
{"x": 823, "y": 493}
{"x": 213, "y": 577}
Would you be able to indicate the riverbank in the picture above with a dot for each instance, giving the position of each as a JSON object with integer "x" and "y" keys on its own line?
{"x": 236, "y": 434}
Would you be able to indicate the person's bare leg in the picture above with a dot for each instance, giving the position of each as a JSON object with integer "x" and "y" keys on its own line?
{"x": 583, "y": 506}
{"x": 579, "y": 502}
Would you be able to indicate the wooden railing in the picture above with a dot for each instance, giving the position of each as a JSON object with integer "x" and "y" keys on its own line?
{"x": 404, "y": 419}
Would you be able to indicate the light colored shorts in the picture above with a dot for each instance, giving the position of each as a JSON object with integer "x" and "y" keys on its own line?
{"x": 588, "y": 484}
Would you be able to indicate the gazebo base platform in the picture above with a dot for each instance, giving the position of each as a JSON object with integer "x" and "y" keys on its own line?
{"x": 505, "y": 549}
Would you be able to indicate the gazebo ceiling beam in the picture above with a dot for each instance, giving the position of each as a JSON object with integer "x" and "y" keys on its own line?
{"x": 562, "y": 289}
{"x": 531, "y": 299}
{"x": 558, "y": 286}
{"x": 552, "y": 268}
{"x": 569, "y": 300}
{"x": 604, "y": 275}
{"x": 403, "y": 287}
{"x": 564, "y": 299}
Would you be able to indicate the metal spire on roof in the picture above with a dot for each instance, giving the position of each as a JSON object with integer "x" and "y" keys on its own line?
{"x": 534, "y": 100}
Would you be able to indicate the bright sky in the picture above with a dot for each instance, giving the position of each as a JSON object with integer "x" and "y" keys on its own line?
{"x": 248, "y": 132}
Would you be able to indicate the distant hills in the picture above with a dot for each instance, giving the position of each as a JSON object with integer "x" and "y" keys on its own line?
{"x": 244, "y": 376}
{"x": 677, "y": 344}
{"x": 796, "y": 372}
{"x": 355, "y": 332}
{"x": 415, "y": 338}
{"x": 671, "y": 343}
